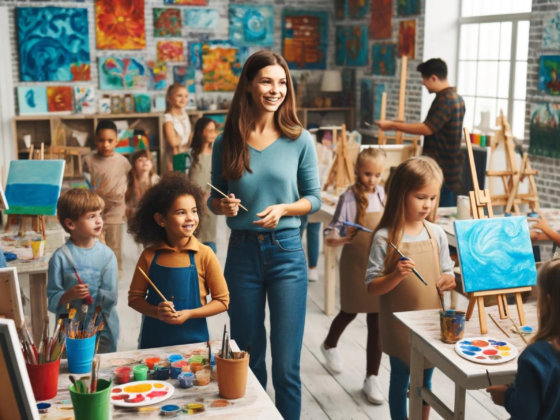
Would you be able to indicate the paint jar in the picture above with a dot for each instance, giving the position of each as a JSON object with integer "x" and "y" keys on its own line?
{"x": 151, "y": 360}
{"x": 177, "y": 368}
{"x": 122, "y": 374}
{"x": 203, "y": 377}
{"x": 232, "y": 376}
{"x": 140, "y": 373}
{"x": 170, "y": 410}
{"x": 94, "y": 406}
{"x": 195, "y": 367}
{"x": 186, "y": 379}
{"x": 44, "y": 380}
{"x": 452, "y": 325}
{"x": 162, "y": 370}
{"x": 186, "y": 368}
{"x": 463, "y": 207}
{"x": 175, "y": 358}
{"x": 195, "y": 408}
{"x": 197, "y": 359}
{"x": 80, "y": 354}
{"x": 38, "y": 249}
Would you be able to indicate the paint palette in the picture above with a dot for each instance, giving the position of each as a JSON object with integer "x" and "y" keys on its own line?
{"x": 141, "y": 393}
{"x": 486, "y": 350}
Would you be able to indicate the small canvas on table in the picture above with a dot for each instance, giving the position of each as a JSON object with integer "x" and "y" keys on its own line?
{"x": 495, "y": 253}
{"x": 10, "y": 297}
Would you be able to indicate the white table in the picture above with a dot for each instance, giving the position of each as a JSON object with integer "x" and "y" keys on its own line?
{"x": 426, "y": 346}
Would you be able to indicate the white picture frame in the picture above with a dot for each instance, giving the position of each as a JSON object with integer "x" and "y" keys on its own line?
{"x": 11, "y": 305}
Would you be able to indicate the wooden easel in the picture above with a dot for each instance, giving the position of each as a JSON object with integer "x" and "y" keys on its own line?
{"x": 341, "y": 173}
{"x": 402, "y": 92}
{"x": 479, "y": 201}
{"x": 383, "y": 114}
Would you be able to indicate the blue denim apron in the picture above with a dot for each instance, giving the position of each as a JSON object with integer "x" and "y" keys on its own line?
{"x": 181, "y": 283}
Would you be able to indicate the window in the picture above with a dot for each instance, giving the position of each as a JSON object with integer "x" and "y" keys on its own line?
{"x": 492, "y": 64}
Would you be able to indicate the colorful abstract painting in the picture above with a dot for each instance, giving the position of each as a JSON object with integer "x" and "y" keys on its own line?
{"x": 182, "y": 75}
{"x": 340, "y": 9}
{"x": 383, "y": 59}
{"x": 305, "y": 39}
{"x": 381, "y": 18}
{"x": 194, "y": 51}
{"x": 549, "y": 82}
{"x": 351, "y": 45}
{"x": 122, "y": 73}
{"x": 348, "y": 86}
{"x": 251, "y": 25}
{"x": 53, "y": 44}
{"x": 84, "y": 100}
{"x": 33, "y": 186}
{"x": 544, "y": 130}
{"x": 143, "y": 103}
{"x": 551, "y": 31}
{"x": 32, "y": 100}
{"x": 407, "y": 38}
{"x": 495, "y": 253}
{"x": 408, "y": 7}
{"x": 353, "y": 9}
{"x": 220, "y": 120}
{"x": 167, "y": 22}
{"x": 170, "y": 51}
{"x": 204, "y": 19}
{"x": 157, "y": 75}
{"x": 366, "y": 103}
{"x": 187, "y": 2}
{"x": 120, "y": 24}
{"x": 59, "y": 98}
{"x": 221, "y": 66}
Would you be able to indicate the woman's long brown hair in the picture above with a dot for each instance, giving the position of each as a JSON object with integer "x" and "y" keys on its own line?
{"x": 410, "y": 176}
{"x": 241, "y": 118}
{"x": 359, "y": 189}
{"x": 548, "y": 281}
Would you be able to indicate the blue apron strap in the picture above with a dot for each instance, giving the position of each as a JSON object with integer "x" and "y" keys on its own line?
{"x": 155, "y": 256}
{"x": 191, "y": 253}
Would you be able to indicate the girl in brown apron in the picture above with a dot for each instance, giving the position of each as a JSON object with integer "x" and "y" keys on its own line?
{"x": 361, "y": 204}
{"x": 412, "y": 198}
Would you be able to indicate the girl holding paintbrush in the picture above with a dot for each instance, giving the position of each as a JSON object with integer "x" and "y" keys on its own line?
{"x": 412, "y": 200}
{"x": 176, "y": 273}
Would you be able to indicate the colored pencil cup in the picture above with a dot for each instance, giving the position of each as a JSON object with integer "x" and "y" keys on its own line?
{"x": 94, "y": 406}
{"x": 80, "y": 354}
{"x": 232, "y": 377}
{"x": 44, "y": 380}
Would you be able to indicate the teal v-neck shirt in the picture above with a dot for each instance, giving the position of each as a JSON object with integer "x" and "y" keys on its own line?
{"x": 278, "y": 170}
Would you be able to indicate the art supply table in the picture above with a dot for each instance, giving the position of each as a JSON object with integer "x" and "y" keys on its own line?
{"x": 255, "y": 405}
{"x": 426, "y": 346}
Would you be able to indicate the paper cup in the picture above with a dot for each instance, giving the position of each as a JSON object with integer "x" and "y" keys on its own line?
{"x": 38, "y": 249}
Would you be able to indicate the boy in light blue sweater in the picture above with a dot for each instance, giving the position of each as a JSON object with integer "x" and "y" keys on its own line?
{"x": 79, "y": 212}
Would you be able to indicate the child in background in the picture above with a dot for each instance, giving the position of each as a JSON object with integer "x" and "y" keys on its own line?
{"x": 412, "y": 197}
{"x": 79, "y": 212}
{"x": 165, "y": 220}
{"x": 361, "y": 204}
{"x": 106, "y": 173}
{"x": 176, "y": 123}
{"x": 199, "y": 173}
{"x": 140, "y": 179}
{"x": 534, "y": 394}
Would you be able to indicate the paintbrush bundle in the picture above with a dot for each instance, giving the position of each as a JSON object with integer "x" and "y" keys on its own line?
{"x": 80, "y": 329}
{"x": 50, "y": 347}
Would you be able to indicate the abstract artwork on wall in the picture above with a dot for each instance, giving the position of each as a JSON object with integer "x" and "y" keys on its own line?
{"x": 204, "y": 19}
{"x": 551, "y": 31}
{"x": 220, "y": 120}
{"x": 544, "y": 130}
{"x": 53, "y": 44}
{"x": 84, "y": 100}
{"x": 185, "y": 75}
{"x": 383, "y": 59}
{"x": 157, "y": 75}
{"x": 120, "y": 24}
{"x": 407, "y": 38}
{"x": 380, "y": 23}
{"x": 167, "y": 22}
{"x": 170, "y": 51}
{"x": 221, "y": 66}
{"x": 340, "y": 9}
{"x": 59, "y": 98}
{"x": 305, "y": 39}
{"x": 251, "y": 25}
{"x": 122, "y": 73}
{"x": 32, "y": 100}
{"x": 348, "y": 86}
{"x": 187, "y": 2}
{"x": 408, "y": 7}
{"x": 33, "y": 186}
{"x": 495, "y": 253}
{"x": 142, "y": 103}
{"x": 351, "y": 45}
{"x": 366, "y": 103}
{"x": 353, "y": 9}
{"x": 549, "y": 79}
{"x": 378, "y": 90}
{"x": 194, "y": 51}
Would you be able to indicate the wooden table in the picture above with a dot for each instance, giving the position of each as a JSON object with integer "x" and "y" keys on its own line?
{"x": 426, "y": 346}
{"x": 255, "y": 405}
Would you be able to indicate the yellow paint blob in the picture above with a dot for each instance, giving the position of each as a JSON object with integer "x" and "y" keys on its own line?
{"x": 505, "y": 353}
{"x": 158, "y": 386}
{"x": 504, "y": 348}
{"x": 138, "y": 388}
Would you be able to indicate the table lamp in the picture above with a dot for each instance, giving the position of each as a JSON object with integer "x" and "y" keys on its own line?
{"x": 332, "y": 83}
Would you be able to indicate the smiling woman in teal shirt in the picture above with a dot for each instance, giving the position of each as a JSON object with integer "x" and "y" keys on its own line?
{"x": 260, "y": 160}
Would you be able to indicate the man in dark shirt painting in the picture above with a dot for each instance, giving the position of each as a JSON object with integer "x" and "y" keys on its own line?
{"x": 442, "y": 129}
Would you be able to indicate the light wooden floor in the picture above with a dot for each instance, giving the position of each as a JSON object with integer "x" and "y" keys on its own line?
{"x": 324, "y": 396}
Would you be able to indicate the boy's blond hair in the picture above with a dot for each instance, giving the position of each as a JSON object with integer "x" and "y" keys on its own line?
{"x": 76, "y": 202}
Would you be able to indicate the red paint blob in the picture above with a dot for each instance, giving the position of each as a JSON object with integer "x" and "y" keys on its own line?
{"x": 116, "y": 390}
{"x": 490, "y": 352}
{"x": 155, "y": 394}
{"x": 479, "y": 343}
{"x": 139, "y": 398}
{"x": 120, "y": 397}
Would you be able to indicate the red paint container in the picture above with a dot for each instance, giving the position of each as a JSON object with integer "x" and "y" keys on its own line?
{"x": 122, "y": 374}
{"x": 44, "y": 380}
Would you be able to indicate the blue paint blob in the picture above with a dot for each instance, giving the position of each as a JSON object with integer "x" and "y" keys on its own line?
{"x": 500, "y": 343}
{"x": 469, "y": 353}
{"x": 465, "y": 342}
{"x": 526, "y": 329}
{"x": 471, "y": 348}
{"x": 170, "y": 407}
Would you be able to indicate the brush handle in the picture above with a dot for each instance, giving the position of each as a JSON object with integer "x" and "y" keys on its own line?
{"x": 154, "y": 286}
{"x": 211, "y": 186}
{"x": 88, "y": 300}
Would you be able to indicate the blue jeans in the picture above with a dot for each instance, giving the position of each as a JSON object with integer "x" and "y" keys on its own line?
{"x": 261, "y": 265}
{"x": 313, "y": 234}
{"x": 398, "y": 386}
{"x": 213, "y": 246}
{"x": 447, "y": 198}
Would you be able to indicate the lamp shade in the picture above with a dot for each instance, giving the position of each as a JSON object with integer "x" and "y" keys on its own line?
{"x": 332, "y": 81}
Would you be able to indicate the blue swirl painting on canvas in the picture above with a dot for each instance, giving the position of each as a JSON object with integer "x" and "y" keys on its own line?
{"x": 495, "y": 253}
{"x": 53, "y": 44}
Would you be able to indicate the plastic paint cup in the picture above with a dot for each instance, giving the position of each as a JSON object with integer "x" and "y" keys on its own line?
{"x": 94, "y": 406}
{"x": 151, "y": 360}
{"x": 452, "y": 324}
{"x": 177, "y": 368}
{"x": 140, "y": 373}
{"x": 170, "y": 410}
{"x": 38, "y": 249}
{"x": 195, "y": 367}
{"x": 44, "y": 380}
{"x": 43, "y": 408}
{"x": 203, "y": 377}
{"x": 186, "y": 379}
{"x": 122, "y": 374}
{"x": 162, "y": 370}
{"x": 175, "y": 357}
{"x": 197, "y": 359}
{"x": 80, "y": 354}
